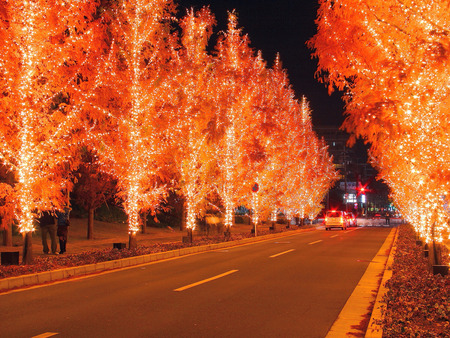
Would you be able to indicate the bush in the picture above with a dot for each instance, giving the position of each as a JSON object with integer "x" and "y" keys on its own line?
{"x": 242, "y": 219}
{"x": 110, "y": 213}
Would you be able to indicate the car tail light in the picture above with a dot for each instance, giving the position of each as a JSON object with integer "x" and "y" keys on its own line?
{"x": 342, "y": 220}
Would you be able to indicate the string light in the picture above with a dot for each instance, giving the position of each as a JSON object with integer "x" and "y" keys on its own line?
{"x": 122, "y": 108}
{"x": 39, "y": 46}
{"x": 395, "y": 67}
{"x": 132, "y": 154}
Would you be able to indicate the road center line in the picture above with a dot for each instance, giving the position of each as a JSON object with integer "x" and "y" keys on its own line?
{"x": 334, "y": 236}
{"x": 205, "y": 280}
{"x": 281, "y": 253}
{"x": 315, "y": 242}
{"x": 45, "y": 335}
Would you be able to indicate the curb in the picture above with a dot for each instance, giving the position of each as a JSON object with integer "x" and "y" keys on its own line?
{"x": 10, "y": 283}
{"x": 375, "y": 330}
{"x": 352, "y": 316}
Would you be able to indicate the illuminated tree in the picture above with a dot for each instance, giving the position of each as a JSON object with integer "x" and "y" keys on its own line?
{"x": 392, "y": 60}
{"x": 193, "y": 79}
{"x": 260, "y": 131}
{"x": 283, "y": 154}
{"x": 7, "y": 208}
{"x": 45, "y": 46}
{"x": 130, "y": 136}
{"x": 235, "y": 74}
{"x": 93, "y": 187}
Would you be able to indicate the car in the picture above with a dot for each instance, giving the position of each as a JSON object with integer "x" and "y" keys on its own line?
{"x": 352, "y": 219}
{"x": 336, "y": 219}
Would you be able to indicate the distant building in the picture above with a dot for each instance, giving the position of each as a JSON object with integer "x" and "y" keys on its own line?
{"x": 355, "y": 173}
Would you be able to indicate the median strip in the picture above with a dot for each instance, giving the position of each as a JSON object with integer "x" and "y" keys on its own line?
{"x": 281, "y": 253}
{"x": 315, "y": 242}
{"x": 206, "y": 280}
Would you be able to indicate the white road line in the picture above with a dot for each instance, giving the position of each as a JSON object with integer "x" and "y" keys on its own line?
{"x": 334, "y": 236}
{"x": 205, "y": 280}
{"x": 315, "y": 242}
{"x": 281, "y": 253}
{"x": 45, "y": 335}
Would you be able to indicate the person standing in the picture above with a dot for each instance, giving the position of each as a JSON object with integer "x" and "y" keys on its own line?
{"x": 63, "y": 228}
{"x": 48, "y": 226}
{"x": 387, "y": 216}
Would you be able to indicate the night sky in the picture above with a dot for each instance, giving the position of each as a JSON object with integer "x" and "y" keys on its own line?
{"x": 281, "y": 26}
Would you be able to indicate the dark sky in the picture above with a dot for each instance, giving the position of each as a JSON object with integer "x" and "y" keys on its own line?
{"x": 281, "y": 26}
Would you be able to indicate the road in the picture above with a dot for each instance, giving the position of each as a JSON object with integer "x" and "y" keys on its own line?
{"x": 290, "y": 287}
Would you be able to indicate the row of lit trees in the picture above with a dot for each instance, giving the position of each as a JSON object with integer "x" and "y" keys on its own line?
{"x": 154, "y": 107}
{"x": 392, "y": 59}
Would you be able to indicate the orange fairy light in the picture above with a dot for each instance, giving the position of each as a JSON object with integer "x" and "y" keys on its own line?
{"x": 394, "y": 66}
{"x": 44, "y": 47}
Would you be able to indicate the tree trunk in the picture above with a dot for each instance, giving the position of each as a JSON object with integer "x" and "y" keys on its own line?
{"x": 132, "y": 244}
{"x": 7, "y": 235}
{"x": 437, "y": 259}
{"x": 272, "y": 227}
{"x": 190, "y": 236}
{"x": 90, "y": 227}
{"x": 435, "y": 250}
{"x": 183, "y": 217}
{"x": 27, "y": 257}
{"x": 227, "y": 233}
{"x": 144, "y": 222}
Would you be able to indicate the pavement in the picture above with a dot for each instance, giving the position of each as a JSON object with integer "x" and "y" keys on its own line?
{"x": 355, "y": 311}
{"x": 369, "y": 290}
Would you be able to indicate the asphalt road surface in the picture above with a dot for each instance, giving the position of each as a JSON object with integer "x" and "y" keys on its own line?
{"x": 289, "y": 287}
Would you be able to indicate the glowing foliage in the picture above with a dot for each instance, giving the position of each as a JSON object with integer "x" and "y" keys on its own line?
{"x": 45, "y": 45}
{"x": 392, "y": 58}
{"x": 194, "y": 78}
{"x": 154, "y": 107}
{"x": 235, "y": 77}
{"x": 130, "y": 147}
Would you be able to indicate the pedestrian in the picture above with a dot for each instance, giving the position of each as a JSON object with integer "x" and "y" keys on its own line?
{"x": 47, "y": 225}
{"x": 388, "y": 218}
{"x": 63, "y": 228}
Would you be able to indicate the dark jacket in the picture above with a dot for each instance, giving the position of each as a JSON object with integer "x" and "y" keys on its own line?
{"x": 46, "y": 219}
{"x": 63, "y": 223}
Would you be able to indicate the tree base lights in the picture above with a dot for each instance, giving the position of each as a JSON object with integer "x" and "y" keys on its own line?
{"x": 132, "y": 240}
{"x": 27, "y": 248}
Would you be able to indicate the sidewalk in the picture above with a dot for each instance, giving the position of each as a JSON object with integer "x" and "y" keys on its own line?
{"x": 105, "y": 234}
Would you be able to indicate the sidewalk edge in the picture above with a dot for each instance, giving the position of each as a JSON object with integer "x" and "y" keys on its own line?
{"x": 375, "y": 330}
